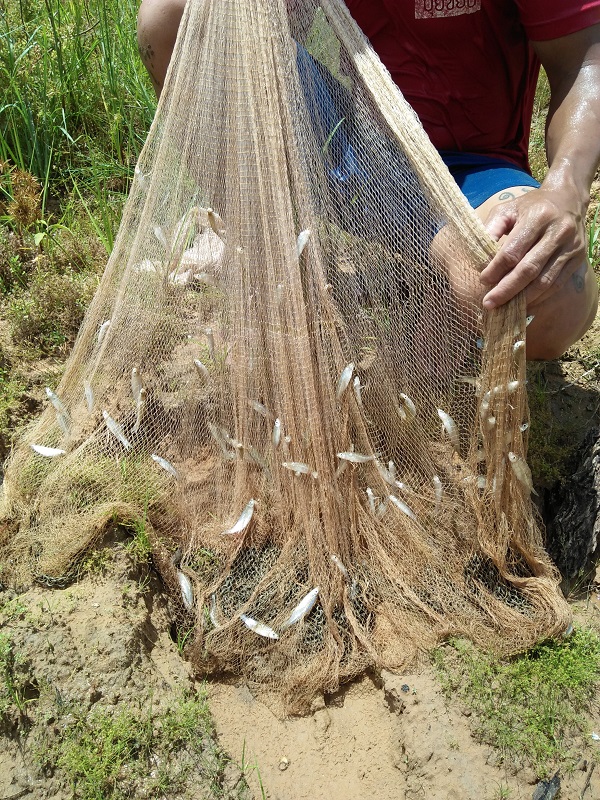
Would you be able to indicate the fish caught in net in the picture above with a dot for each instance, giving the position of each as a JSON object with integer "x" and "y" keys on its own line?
{"x": 285, "y": 378}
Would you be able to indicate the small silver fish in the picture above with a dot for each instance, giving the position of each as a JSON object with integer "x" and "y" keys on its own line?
{"x": 519, "y": 347}
{"x": 201, "y": 369}
{"x": 382, "y": 509}
{"x": 116, "y": 430}
{"x": 344, "y": 380}
{"x": 244, "y": 519}
{"x": 276, "y": 435}
{"x": 439, "y": 492}
{"x": 522, "y": 472}
{"x": 491, "y": 421}
{"x": 524, "y": 427}
{"x": 258, "y": 459}
{"x": 89, "y": 395}
{"x": 220, "y": 439}
{"x": 357, "y": 389}
{"x": 303, "y": 238}
{"x": 355, "y": 458}
{"x": 529, "y": 320}
{"x": 103, "y": 330}
{"x": 187, "y": 592}
{"x": 136, "y": 383}
{"x": 160, "y": 235}
{"x": 392, "y": 471}
{"x": 409, "y": 406}
{"x": 48, "y": 452}
{"x": 212, "y": 613}
{"x": 371, "y": 497}
{"x": 511, "y": 387}
{"x": 469, "y": 380}
{"x": 64, "y": 422}
{"x": 166, "y": 465}
{"x": 402, "y": 506}
{"x": 342, "y": 466}
{"x": 140, "y": 408}
{"x": 303, "y": 608}
{"x": 56, "y": 401}
{"x": 298, "y": 467}
{"x": 450, "y": 428}
{"x": 211, "y": 342}
{"x": 338, "y": 562}
{"x": 216, "y": 223}
{"x": 259, "y": 408}
{"x": 141, "y": 178}
{"x": 387, "y": 476}
{"x": 258, "y": 627}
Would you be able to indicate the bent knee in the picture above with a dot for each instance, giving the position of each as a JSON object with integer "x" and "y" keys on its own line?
{"x": 157, "y": 26}
{"x": 562, "y": 319}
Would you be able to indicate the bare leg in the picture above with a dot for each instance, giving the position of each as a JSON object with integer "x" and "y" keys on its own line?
{"x": 561, "y": 316}
{"x": 157, "y": 26}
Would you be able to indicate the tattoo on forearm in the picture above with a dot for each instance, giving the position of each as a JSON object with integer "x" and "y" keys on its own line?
{"x": 579, "y": 278}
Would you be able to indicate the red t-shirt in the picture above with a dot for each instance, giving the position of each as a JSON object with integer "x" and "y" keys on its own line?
{"x": 466, "y": 66}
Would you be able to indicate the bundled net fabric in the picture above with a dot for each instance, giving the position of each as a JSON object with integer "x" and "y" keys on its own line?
{"x": 284, "y": 377}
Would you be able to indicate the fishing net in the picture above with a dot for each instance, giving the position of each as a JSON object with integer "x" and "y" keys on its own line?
{"x": 284, "y": 378}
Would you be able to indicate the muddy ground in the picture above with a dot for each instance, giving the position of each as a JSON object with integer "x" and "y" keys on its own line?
{"x": 105, "y": 644}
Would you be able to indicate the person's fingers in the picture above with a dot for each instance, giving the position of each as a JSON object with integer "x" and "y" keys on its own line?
{"x": 536, "y": 273}
{"x": 522, "y": 248}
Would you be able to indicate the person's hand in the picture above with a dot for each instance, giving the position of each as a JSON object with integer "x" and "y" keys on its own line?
{"x": 544, "y": 245}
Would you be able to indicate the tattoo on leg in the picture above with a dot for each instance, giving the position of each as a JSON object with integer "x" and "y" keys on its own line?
{"x": 526, "y": 189}
{"x": 506, "y": 196}
{"x": 579, "y": 278}
{"x": 146, "y": 54}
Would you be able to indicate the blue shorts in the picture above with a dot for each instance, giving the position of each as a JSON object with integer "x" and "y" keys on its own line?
{"x": 347, "y": 144}
{"x": 479, "y": 177}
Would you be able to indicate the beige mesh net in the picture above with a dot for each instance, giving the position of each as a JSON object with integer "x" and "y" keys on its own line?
{"x": 284, "y": 378}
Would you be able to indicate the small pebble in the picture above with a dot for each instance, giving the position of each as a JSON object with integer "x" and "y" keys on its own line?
{"x": 284, "y": 764}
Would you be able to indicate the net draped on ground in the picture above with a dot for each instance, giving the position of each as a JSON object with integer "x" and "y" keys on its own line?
{"x": 283, "y": 378}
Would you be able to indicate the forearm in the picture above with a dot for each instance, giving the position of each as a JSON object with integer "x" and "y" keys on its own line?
{"x": 573, "y": 134}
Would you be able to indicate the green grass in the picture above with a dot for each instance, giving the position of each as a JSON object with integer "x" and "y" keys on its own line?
{"x": 15, "y": 686}
{"x": 531, "y": 708}
{"x": 114, "y": 754}
{"x": 75, "y": 106}
{"x": 76, "y": 101}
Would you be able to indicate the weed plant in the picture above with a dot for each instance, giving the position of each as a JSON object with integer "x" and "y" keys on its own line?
{"x": 108, "y": 754}
{"x": 75, "y": 98}
{"x": 531, "y": 708}
{"x": 15, "y": 686}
